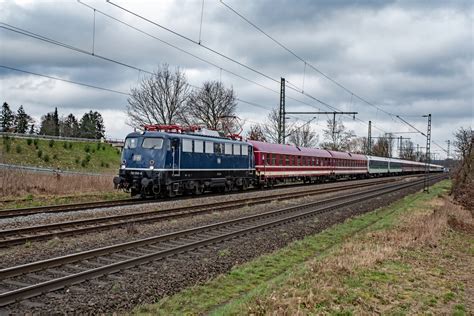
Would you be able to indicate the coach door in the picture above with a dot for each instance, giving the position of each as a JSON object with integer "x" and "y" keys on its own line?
{"x": 175, "y": 158}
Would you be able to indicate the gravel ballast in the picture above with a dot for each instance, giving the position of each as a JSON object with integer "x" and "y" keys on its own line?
{"x": 122, "y": 292}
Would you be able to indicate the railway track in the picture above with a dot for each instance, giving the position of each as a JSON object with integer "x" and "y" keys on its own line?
{"x": 36, "y": 278}
{"x": 21, "y": 235}
{"x": 7, "y": 213}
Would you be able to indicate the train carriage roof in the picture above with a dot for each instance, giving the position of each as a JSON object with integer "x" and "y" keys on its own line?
{"x": 346, "y": 155}
{"x": 288, "y": 149}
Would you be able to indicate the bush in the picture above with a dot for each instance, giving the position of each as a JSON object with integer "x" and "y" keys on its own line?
{"x": 69, "y": 145}
{"x": 77, "y": 160}
{"x": 107, "y": 165}
{"x": 93, "y": 151}
{"x": 46, "y": 158}
{"x": 6, "y": 139}
{"x": 40, "y": 153}
{"x": 35, "y": 141}
{"x": 88, "y": 157}
{"x": 29, "y": 141}
{"x": 103, "y": 147}
{"x": 87, "y": 148}
{"x": 98, "y": 146}
{"x": 51, "y": 143}
{"x": 65, "y": 145}
{"x": 102, "y": 164}
{"x": 18, "y": 149}
{"x": 84, "y": 163}
{"x": 7, "y": 147}
{"x": 55, "y": 156}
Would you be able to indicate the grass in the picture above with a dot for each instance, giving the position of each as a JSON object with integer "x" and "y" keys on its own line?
{"x": 26, "y": 189}
{"x": 65, "y": 155}
{"x": 365, "y": 265}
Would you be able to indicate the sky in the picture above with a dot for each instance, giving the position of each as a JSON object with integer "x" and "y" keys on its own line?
{"x": 406, "y": 58}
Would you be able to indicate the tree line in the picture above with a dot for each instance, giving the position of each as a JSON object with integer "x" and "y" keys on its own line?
{"x": 90, "y": 125}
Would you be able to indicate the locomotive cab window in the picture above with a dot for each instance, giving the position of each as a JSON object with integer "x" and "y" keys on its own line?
{"x": 245, "y": 150}
{"x": 209, "y": 147}
{"x": 131, "y": 143}
{"x": 152, "y": 143}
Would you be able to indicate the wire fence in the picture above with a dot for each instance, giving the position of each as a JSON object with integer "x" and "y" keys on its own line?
{"x": 50, "y": 170}
{"x": 74, "y": 139}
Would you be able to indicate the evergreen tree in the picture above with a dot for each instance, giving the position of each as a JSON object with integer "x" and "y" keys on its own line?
{"x": 47, "y": 126}
{"x": 22, "y": 121}
{"x": 7, "y": 118}
{"x": 92, "y": 125}
{"x": 56, "y": 122}
{"x": 69, "y": 127}
{"x": 32, "y": 129}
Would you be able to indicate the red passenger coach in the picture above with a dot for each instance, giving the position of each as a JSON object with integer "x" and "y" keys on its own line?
{"x": 348, "y": 164}
{"x": 279, "y": 163}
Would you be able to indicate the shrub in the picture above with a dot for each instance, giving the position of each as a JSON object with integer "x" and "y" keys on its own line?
{"x": 65, "y": 145}
{"x": 77, "y": 160}
{"x": 103, "y": 147}
{"x": 98, "y": 146}
{"x": 55, "y": 156}
{"x": 70, "y": 145}
{"x": 46, "y": 158}
{"x": 7, "y": 147}
{"x": 87, "y": 148}
{"x": 88, "y": 157}
{"x": 29, "y": 141}
{"x": 40, "y": 153}
{"x": 107, "y": 165}
{"x": 102, "y": 164}
{"x": 35, "y": 141}
{"x": 18, "y": 149}
{"x": 84, "y": 163}
{"x": 93, "y": 151}
{"x": 51, "y": 143}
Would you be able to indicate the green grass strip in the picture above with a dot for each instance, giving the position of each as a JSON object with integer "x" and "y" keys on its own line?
{"x": 226, "y": 294}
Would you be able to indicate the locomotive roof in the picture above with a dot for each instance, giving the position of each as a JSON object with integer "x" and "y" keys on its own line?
{"x": 288, "y": 149}
{"x": 346, "y": 155}
{"x": 186, "y": 135}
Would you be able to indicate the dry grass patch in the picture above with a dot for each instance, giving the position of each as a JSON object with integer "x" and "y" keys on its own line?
{"x": 405, "y": 269}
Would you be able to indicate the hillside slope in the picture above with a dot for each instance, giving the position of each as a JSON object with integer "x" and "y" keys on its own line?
{"x": 65, "y": 155}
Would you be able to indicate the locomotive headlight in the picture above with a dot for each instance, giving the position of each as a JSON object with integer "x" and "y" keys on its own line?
{"x": 151, "y": 167}
{"x": 122, "y": 167}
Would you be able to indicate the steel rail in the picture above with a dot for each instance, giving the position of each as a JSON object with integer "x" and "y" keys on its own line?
{"x": 54, "y": 284}
{"x": 6, "y": 213}
{"x": 21, "y": 235}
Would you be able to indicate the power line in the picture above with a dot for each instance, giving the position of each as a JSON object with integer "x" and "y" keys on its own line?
{"x": 65, "y": 80}
{"x": 292, "y": 87}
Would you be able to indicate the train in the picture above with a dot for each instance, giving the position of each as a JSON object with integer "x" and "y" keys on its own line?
{"x": 170, "y": 160}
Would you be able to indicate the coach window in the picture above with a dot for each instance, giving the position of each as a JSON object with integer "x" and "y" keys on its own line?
{"x": 209, "y": 147}
{"x": 152, "y": 143}
{"x": 228, "y": 148}
{"x": 245, "y": 150}
{"x": 287, "y": 160}
{"x": 187, "y": 146}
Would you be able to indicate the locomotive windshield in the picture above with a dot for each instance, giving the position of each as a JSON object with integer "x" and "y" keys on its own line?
{"x": 131, "y": 143}
{"x": 152, "y": 143}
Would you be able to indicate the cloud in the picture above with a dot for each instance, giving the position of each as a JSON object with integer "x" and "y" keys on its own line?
{"x": 408, "y": 57}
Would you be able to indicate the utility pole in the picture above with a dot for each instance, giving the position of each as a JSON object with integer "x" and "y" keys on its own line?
{"x": 449, "y": 145}
{"x": 428, "y": 154}
{"x": 327, "y": 113}
{"x": 282, "y": 114}
{"x": 369, "y": 139}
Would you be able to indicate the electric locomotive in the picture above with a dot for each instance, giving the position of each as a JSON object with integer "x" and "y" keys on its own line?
{"x": 167, "y": 160}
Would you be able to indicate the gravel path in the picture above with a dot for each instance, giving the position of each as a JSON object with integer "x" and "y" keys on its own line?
{"x": 122, "y": 292}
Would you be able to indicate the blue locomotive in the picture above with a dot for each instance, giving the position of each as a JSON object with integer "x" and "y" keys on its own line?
{"x": 170, "y": 160}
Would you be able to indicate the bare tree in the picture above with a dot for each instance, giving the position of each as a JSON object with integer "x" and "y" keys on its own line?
{"x": 383, "y": 146}
{"x": 408, "y": 150}
{"x": 337, "y": 135}
{"x": 256, "y": 133}
{"x": 213, "y": 106}
{"x": 159, "y": 99}
{"x": 271, "y": 127}
{"x": 463, "y": 188}
{"x": 358, "y": 145}
{"x": 304, "y": 136}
